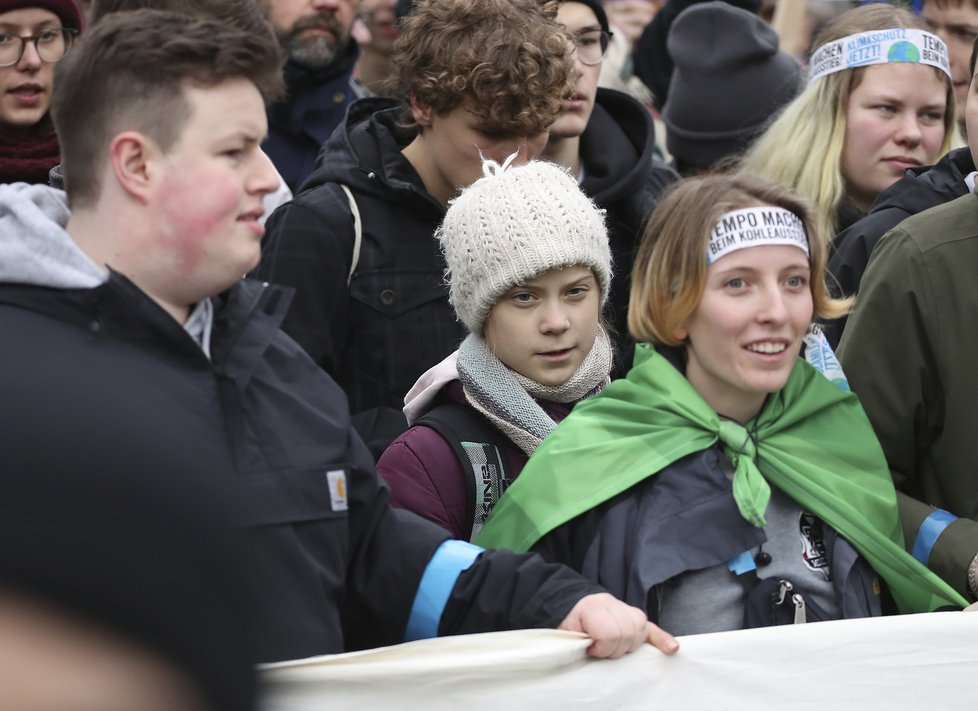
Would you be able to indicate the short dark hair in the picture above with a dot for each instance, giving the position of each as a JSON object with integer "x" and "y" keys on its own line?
{"x": 129, "y": 72}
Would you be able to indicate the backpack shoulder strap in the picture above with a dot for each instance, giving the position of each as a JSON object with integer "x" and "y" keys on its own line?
{"x": 476, "y": 444}
{"x": 357, "y": 232}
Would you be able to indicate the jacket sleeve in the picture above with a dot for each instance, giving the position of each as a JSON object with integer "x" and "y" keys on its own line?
{"x": 308, "y": 247}
{"x": 888, "y": 355}
{"x": 503, "y": 590}
{"x": 849, "y": 255}
{"x": 406, "y": 579}
{"x": 425, "y": 477}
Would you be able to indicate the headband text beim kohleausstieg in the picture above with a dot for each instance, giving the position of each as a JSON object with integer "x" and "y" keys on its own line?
{"x": 755, "y": 227}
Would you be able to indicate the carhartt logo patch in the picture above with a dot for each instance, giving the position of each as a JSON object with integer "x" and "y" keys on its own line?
{"x": 337, "y": 489}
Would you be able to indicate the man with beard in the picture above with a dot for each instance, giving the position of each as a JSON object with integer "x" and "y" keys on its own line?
{"x": 320, "y": 56}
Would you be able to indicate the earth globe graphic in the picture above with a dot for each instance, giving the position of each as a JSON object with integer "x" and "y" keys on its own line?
{"x": 903, "y": 52}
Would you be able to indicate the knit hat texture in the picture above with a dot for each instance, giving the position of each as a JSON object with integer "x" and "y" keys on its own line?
{"x": 66, "y": 10}
{"x": 729, "y": 80}
{"x": 513, "y": 225}
{"x": 652, "y": 63}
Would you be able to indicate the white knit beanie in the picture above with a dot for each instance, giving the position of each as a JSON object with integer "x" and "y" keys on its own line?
{"x": 513, "y": 225}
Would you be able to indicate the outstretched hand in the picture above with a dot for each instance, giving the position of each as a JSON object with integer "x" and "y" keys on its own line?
{"x": 615, "y": 628}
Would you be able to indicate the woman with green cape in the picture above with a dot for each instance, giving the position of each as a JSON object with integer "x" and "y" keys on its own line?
{"x": 725, "y": 482}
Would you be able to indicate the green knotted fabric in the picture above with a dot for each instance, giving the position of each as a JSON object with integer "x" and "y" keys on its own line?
{"x": 811, "y": 440}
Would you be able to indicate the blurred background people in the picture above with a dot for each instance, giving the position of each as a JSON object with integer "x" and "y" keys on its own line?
{"x": 380, "y": 20}
{"x": 320, "y": 56}
{"x": 123, "y": 580}
{"x": 955, "y": 22}
{"x": 729, "y": 79}
{"x": 35, "y": 35}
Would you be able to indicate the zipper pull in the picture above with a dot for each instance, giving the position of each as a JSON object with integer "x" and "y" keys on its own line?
{"x": 800, "y": 617}
{"x": 784, "y": 587}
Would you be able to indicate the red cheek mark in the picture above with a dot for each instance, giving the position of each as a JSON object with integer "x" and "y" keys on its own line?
{"x": 197, "y": 213}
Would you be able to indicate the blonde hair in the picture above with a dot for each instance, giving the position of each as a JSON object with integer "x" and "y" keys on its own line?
{"x": 802, "y": 148}
{"x": 669, "y": 273}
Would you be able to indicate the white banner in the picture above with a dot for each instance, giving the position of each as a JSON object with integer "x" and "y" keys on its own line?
{"x": 913, "y": 661}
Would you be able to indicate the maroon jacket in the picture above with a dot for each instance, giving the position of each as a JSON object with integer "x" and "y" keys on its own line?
{"x": 426, "y": 477}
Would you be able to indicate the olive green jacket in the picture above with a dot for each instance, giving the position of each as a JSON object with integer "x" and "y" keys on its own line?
{"x": 909, "y": 351}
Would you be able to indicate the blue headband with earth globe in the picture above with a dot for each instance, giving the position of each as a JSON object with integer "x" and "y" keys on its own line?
{"x": 897, "y": 45}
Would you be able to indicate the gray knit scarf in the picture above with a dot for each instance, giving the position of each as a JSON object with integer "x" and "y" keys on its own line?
{"x": 507, "y": 398}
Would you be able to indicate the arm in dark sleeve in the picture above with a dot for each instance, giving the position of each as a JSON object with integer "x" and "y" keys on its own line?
{"x": 308, "y": 247}
{"x": 407, "y": 580}
{"x": 887, "y": 354}
{"x": 849, "y": 255}
{"x": 505, "y": 590}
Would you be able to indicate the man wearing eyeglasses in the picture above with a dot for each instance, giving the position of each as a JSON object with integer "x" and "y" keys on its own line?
{"x": 473, "y": 79}
{"x": 34, "y": 34}
{"x": 606, "y": 139}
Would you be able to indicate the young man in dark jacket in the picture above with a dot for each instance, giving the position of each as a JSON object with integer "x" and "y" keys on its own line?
{"x": 476, "y": 78}
{"x": 135, "y": 331}
{"x": 606, "y": 139}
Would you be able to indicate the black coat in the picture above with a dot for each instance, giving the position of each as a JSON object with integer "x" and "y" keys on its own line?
{"x": 378, "y": 334}
{"x": 623, "y": 178}
{"x": 392, "y": 322}
{"x": 107, "y": 370}
{"x": 918, "y": 190}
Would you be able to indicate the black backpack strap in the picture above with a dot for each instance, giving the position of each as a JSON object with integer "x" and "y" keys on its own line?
{"x": 476, "y": 443}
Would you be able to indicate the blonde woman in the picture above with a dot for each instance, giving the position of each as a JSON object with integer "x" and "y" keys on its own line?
{"x": 854, "y": 130}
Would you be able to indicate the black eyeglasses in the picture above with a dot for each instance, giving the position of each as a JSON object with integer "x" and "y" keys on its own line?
{"x": 51, "y": 45}
{"x": 591, "y": 46}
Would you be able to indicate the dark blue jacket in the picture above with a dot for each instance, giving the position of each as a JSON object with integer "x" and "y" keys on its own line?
{"x": 315, "y": 105}
{"x": 683, "y": 519}
{"x": 106, "y": 369}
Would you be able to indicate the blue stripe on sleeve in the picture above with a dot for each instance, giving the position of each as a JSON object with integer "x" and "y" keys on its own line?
{"x": 448, "y": 562}
{"x": 928, "y": 533}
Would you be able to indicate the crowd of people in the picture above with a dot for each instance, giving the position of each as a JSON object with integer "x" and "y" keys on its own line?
{"x": 332, "y": 324}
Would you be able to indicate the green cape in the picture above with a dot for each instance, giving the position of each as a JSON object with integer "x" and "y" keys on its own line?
{"x": 811, "y": 440}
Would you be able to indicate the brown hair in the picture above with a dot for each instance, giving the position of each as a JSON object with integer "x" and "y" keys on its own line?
{"x": 669, "y": 274}
{"x": 129, "y": 73}
{"x": 506, "y": 60}
{"x": 246, "y": 15}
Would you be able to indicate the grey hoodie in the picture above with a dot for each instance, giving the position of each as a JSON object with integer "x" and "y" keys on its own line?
{"x": 34, "y": 247}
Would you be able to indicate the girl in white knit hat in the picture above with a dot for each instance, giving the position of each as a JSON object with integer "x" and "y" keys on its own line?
{"x": 528, "y": 269}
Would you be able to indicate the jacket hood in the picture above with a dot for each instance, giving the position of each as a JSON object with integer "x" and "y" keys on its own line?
{"x": 616, "y": 147}
{"x": 365, "y": 153}
{"x": 35, "y": 250}
{"x": 927, "y": 186}
{"x": 422, "y": 395}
